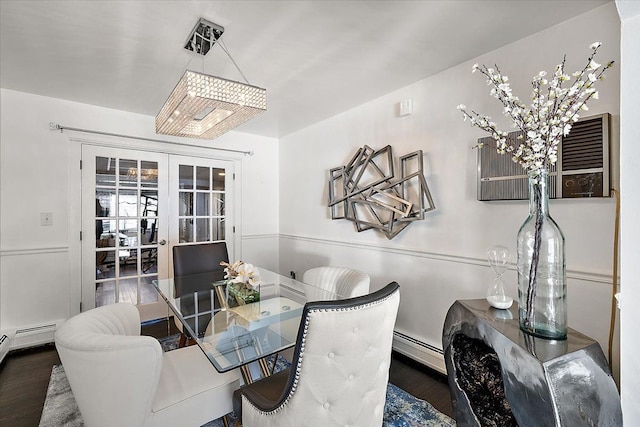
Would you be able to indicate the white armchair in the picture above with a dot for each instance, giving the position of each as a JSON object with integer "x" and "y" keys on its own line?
{"x": 340, "y": 368}
{"x": 120, "y": 378}
{"x": 345, "y": 282}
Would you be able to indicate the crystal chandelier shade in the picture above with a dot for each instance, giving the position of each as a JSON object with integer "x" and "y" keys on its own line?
{"x": 203, "y": 106}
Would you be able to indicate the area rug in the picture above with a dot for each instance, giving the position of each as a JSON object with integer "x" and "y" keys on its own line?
{"x": 401, "y": 408}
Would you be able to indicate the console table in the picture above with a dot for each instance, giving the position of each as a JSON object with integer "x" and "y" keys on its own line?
{"x": 498, "y": 375}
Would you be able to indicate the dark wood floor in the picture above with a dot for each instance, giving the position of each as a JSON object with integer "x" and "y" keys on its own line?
{"x": 24, "y": 377}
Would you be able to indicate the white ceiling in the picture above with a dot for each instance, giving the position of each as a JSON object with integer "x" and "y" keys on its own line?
{"x": 315, "y": 58}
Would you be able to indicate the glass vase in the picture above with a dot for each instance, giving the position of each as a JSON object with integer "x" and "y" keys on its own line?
{"x": 241, "y": 294}
{"x": 542, "y": 280}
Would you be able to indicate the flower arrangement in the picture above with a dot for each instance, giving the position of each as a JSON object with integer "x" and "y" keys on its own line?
{"x": 242, "y": 273}
{"x": 243, "y": 281}
{"x": 553, "y": 110}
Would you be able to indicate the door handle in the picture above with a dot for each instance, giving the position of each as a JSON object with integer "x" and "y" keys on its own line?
{"x": 162, "y": 242}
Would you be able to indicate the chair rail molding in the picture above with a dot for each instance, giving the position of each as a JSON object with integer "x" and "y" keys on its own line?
{"x": 34, "y": 250}
{"x": 572, "y": 274}
{"x": 260, "y": 236}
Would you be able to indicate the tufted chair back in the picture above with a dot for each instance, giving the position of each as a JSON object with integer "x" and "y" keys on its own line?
{"x": 340, "y": 369}
{"x": 345, "y": 282}
{"x": 120, "y": 378}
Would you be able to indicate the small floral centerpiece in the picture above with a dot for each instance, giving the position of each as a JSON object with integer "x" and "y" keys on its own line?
{"x": 243, "y": 282}
{"x": 556, "y": 103}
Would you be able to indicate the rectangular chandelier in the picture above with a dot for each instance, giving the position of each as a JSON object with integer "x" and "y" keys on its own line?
{"x": 203, "y": 106}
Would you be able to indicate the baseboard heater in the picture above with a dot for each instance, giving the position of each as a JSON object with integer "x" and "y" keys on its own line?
{"x": 420, "y": 351}
{"x": 5, "y": 342}
{"x": 35, "y": 335}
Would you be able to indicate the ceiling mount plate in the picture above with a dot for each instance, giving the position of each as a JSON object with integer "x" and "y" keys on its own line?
{"x": 203, "y": 36}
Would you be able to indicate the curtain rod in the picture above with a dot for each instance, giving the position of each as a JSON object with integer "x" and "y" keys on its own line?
{"x": 55, "y": 126}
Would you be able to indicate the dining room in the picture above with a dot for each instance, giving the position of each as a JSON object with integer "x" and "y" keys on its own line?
{"x": 73, "y": 133}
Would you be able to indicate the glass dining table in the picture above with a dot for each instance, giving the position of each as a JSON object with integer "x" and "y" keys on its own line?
{"x": 233, "y": 334}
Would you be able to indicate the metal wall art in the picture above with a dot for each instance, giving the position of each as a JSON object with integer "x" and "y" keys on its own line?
{"x": 366, "y": 191}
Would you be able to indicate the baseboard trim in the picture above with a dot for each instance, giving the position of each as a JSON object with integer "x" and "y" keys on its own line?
{"x": 420, "y": 351}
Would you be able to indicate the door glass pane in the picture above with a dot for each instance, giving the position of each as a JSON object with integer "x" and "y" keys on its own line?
{"x": 185, "y": 206}
{"x": 105, "y": 265}
{"x": 128, "y": 290}
{"x": 184, "y": 230}
{"x": 128, "y": 173}
{"x": 218, "y": 179}
{"x": 202, "y": 178}
{"x": 149, "y": 260}
{"x": 106, "y": 232}
{"x": 218, "y": 204}
{"x": 149, "y": 202}
{"x": 105, "y": 202}
{"x": 186, "y": 177}
{"x": 218, "y": 229}
{"x": 202, "y": 204}
{"x": 128, "y": 232}
{"x": 148, "y": 293}
{"x": 148, "y": 174}
{"x": 148, "y": 231}
{"x": 105, "y": 293}
{"x": 128, "y": 203}
{"x": 128, "y": 262}
{"x": 106, "y": 171}
{"x": 202, "y": 230}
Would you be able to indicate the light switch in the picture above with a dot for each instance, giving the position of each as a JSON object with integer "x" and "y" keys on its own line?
{"x": 46, "y": 218}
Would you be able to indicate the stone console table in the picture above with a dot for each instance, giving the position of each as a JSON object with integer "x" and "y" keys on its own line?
{"x": 500, "y": 376}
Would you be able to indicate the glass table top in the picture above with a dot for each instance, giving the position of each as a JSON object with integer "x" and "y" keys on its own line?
{"x": 232, "y": 333}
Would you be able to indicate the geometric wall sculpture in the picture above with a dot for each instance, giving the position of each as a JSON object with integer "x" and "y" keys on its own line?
{"x": 367, "y": 192}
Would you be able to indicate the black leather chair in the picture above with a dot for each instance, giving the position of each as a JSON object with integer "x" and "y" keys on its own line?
{"x": 195, "y": 268}
{"x": 340, "y": 367}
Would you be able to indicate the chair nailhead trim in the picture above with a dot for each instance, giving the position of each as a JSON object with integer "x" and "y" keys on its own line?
{"x": 296, "y": 378}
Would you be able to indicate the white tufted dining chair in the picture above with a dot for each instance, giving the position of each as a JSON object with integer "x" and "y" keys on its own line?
{"x": 345, "y": 282}
{"x": 340, "y": 368}
{"x": 341, "y": 282}
{"x": 120, "y": 378}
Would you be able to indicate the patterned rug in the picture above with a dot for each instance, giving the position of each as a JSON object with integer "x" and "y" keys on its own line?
{"x": 401, "y": 408}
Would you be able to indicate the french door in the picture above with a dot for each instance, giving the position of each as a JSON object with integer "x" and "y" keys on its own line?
{"x": 138, "y": 205}
{"x": 201, "y": 207}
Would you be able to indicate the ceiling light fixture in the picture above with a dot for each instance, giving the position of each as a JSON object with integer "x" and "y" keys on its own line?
{"x": 203, "y": 106}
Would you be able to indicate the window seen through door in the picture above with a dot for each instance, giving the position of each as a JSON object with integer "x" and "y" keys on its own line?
{"x": 201, "y": 204}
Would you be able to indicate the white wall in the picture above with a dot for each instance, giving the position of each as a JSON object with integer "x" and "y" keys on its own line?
{"x": 39, "y": 266}
{"x": 630, "y": 205}
{"x": 442, "y": 258}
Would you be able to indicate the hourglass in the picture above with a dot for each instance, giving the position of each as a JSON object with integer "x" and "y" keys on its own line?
{"x": 498, "y": 257}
